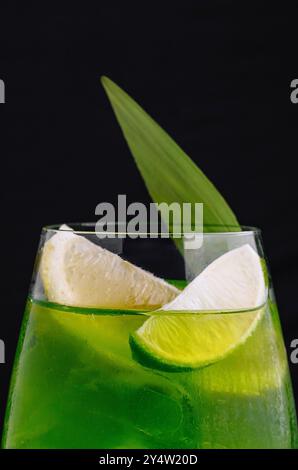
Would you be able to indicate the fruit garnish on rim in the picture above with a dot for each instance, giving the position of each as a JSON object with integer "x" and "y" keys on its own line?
{"x": 215, "y": 313}
{"x": 77, "y": 272}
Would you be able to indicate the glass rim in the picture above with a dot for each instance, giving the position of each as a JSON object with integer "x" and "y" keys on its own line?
{"x": 104, "y": 311}
{"x": 84, "y": 228}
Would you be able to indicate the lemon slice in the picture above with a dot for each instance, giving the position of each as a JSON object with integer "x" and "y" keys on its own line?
{"x": 77, "y": 272}
{"x": 190, "y": 339}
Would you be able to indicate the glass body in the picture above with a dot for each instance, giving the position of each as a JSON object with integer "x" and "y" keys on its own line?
{"x": 76, "y": 383}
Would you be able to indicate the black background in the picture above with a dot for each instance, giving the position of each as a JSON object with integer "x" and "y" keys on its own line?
{"x": 215, "y": 74}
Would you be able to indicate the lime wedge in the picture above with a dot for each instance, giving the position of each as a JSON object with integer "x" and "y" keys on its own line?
{"x": 80, "y": 273}
{"x": 190, "y": 339}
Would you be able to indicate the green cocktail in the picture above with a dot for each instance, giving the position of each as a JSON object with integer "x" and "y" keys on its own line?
{"x": 76, "y": 385}
{"x": 175, "y": 377}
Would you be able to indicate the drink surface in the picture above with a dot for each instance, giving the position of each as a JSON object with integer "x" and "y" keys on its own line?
{"x": 77, "y": 385}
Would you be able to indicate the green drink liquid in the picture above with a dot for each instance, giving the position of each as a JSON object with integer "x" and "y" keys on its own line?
{"x": 76, "y": 385}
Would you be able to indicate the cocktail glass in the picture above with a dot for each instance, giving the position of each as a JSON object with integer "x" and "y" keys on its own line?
{"x": 78, "y": 383}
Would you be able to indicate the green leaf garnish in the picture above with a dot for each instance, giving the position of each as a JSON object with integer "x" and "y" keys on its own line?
{"x": 169, "y": 174}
